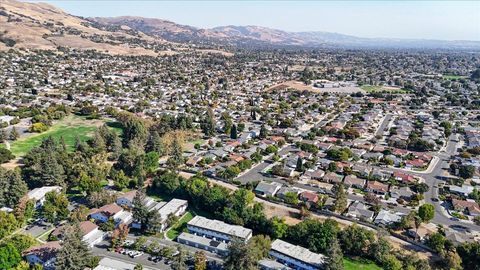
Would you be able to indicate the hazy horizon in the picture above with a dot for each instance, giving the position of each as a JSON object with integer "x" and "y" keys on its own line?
{"x": 440, "y": 20}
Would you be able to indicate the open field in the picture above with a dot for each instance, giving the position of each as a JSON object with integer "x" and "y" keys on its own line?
{"x": 375, "y": 88}
{"x": 453, "y": 77}
{"x": 350, "y": 264}
{"x": 300, "y": 86}
{"x": 68, "y": 128}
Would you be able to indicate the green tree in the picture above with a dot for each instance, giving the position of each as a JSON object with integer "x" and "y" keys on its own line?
{"x": 9, "y": 257}
{"x": 74, "y": 254}
{"x": 335, "y": 256}
{"x": 208, "y": 123}
{"x": 341, "y": 202}
{"x": 356, "y": 240}
{"x": 12, "y": 187}
{"x": 299, "y": 167}
{"x": 470, "y": 255}
{"x": 179, "y": 261}
{"x": 55, "y": 207}
{"x": 240, "y": 256}
{"x": 278, "y": 227}
{"x": 233, "y": 132}
{"x": 426, "y": 212}
{"x": 390, "y": 262}
{"x": 140, "y": 211}
{"x": 5, "y": 155}
{"x": 176, "y": 155}
{"x": 200, "y": 260}
{"x": 466, "y": 171}
{"x": 263, "y": 132}
{"x": 14, "y": 134}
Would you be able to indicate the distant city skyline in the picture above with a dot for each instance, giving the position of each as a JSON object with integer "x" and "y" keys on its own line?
{"x": 443, "y": 20}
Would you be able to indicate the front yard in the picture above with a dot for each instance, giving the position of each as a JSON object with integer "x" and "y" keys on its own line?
{"x": 180, "y": 226}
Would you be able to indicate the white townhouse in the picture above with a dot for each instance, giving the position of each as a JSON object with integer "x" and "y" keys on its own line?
{"x": 217, "y": 230}
{"x": 296, "y": 257}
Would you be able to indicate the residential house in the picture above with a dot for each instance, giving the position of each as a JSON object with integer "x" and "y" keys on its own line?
{"x": 332, "y": 177}
{"x": 385, "y": 218}
{"x": 404, "y": 177}
{"x": 91, "y": 235}
{"x": 44, "y": 254}
{"x": 376, "y": 187}
{"x": 265, "y": 189}
{"x": 469, "y": 207}
{"x": 404, "y": 193}
{"x": 354, "y": 182}
{"x": 360, "y": 211}
{"x": 113, "y": 211}
{"x": 309, "y": 198}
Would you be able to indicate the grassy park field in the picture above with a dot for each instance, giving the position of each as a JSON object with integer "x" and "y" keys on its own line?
{"x": 453, "y": 77}
{"x": 69, "y": 128}
{"x": 377, "y": 88}
{"x": 350, "y": 264}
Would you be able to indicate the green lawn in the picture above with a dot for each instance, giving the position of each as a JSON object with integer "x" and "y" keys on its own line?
{"x": 376, "y": 88}
{"x": 178, "y": 228}
{"x": 68, "y": 128}
{"x": 350, "y": 264}
{"x": 453, "y": 77}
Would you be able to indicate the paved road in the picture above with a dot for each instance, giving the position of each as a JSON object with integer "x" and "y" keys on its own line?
{"x": 383, "y": 125}
{"x": 255, "y": 173}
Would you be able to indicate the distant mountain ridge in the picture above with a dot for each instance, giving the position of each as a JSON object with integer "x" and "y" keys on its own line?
{"x": 42, "y": 26}
{"x": 264, "y": 35}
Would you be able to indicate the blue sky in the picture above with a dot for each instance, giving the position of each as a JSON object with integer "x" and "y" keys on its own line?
{"x": 448, "y": 20}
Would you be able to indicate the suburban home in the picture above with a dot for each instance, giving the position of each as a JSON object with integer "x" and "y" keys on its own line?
{"x": 332, "y": 177}
{"x": 296, "y": 257}
{"x": 354, "y": 182}
{"x": 309, "y": 197}
{"x": 385, "y": 218}
{"x": 126, "y": 200}
{"x": 38, "y": 194}
{"x": 404, "y": 177}
{"x": 464, "y": 190}
{"x": 91, "y": 235}
{"x": 376, "y": 187}
{"x": 114, "y": 211}
{"x": 265, "y": 189}
{"x": 284, "y": 190}
{"x": 313, "y": 175}
{"x": 403, "y": 193}
{"x": 217, "y": 230}
{"x": 469, "y": 207}
{"x": 360, "y": 211}
{"x": 361, "y": 170}
{"x": 44, "y": 254}
{"x": 415, "y": 163}
{"x": 380, "y": 174}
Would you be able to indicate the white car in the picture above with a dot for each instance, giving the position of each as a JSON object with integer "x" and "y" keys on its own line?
{"x": 137, "y": 254}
